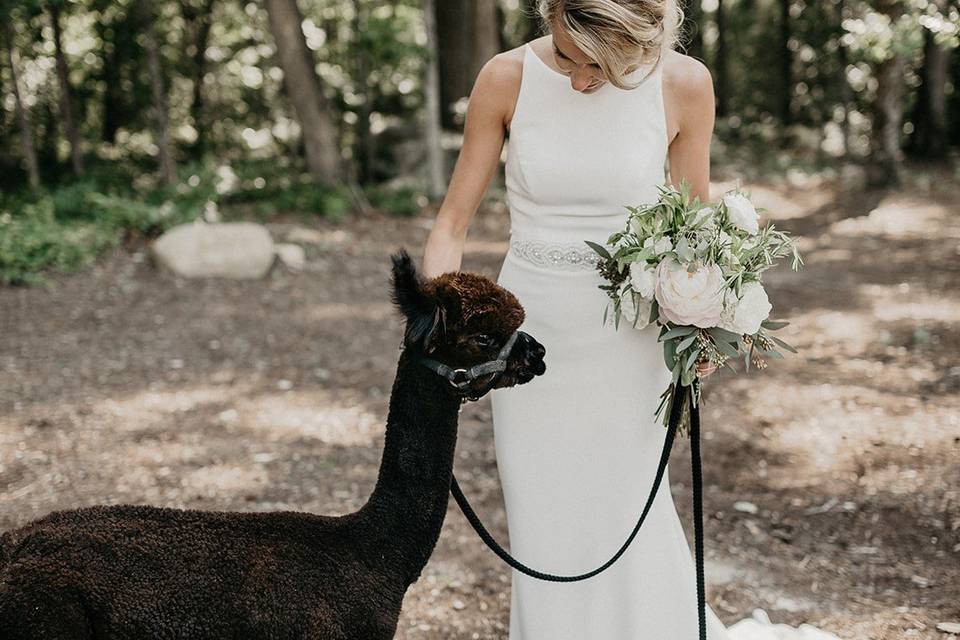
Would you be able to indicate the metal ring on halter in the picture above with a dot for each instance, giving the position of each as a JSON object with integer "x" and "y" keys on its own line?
{"x": 459, "y": 384}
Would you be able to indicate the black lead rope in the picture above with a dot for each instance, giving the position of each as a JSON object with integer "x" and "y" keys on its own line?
{"x": 681, "y": 396}
{"x": 697, "y": 477}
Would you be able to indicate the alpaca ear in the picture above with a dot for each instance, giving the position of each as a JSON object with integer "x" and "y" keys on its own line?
{"x": 407, "y": 290}
{"x": 426, "y": 318}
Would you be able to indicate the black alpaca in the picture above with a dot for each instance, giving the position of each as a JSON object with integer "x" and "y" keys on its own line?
{"x": 137, "y": 572}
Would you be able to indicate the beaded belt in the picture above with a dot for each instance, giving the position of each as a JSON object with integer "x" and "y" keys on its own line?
{"x": 555, "y": 255}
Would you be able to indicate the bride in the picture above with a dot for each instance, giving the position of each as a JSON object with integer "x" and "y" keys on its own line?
{"x": 597, "y": 112}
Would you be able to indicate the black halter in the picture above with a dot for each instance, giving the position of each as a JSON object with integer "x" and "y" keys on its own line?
{"x": 461, "y": 378}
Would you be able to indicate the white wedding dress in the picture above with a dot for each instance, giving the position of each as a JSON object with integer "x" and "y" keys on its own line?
{"x": 577, "y": 448}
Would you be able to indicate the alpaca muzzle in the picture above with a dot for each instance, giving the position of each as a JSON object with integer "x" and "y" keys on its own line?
{"x": 463, "y": 378}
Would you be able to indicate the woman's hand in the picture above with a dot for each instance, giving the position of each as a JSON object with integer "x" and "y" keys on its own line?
{"x": 705, "y": 368}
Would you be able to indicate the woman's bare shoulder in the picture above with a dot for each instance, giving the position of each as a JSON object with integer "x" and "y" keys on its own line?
{"x": 499, "y": 80}
{"x": 685, "y": 77}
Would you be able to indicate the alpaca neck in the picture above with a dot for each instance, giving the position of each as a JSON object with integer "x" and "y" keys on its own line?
{"x": 405, "y": 512}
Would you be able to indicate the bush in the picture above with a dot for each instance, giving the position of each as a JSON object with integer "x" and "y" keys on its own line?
{"x": 35, "y": 240}
{"x": 400, "y": 201}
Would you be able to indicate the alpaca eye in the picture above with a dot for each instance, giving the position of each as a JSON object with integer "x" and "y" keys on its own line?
{"x": 482, "y": 340}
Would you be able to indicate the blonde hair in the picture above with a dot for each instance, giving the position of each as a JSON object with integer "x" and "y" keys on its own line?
{"x": 617, "y": 34}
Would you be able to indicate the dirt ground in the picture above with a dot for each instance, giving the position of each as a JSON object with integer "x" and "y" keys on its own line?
{"x": 833, "y": 477}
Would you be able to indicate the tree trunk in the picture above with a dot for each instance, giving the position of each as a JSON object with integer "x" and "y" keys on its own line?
{"x": 364, "y": 144}
{"x": 111, "y": 89}
{"x": 200, "y": 22}
{"x": 303, "y": 87}
{"x": 436, "y": 171}
{"x": 720, "y": 61}
{"x": 468, "y": 35}
{"x": 887, "y": 156}
{"x": 530, "y": 21}
{"x": 694, "y": 27}
{"x": 66, "y": 100}
{"x": 786, "y": 65}
{"x": 168, "y": 171}
{"x": 931, "y": 138}
{"x": 26, "y": 132}
{"x": 846, "y": 92}
{"x": 486, "y": 35}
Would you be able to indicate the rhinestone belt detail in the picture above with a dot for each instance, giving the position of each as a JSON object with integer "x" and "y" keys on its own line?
{"x": 555, "y": 255}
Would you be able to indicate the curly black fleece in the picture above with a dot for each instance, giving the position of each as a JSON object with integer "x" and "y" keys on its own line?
{"x": 137, "y": 572}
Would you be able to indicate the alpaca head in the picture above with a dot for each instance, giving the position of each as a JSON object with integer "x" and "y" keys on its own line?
{"x": 462, "y": 320}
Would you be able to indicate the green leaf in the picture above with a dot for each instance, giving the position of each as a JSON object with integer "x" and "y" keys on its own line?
{"x": 676, "y": 332}
{"x": 727, "y": 349}
{"x": 689, "y": 340}
{"x": 770, "y": 353}
{"x": 773, "y": 325}
{"x": 670, "y": 353}
{"x": 723, "y": 334}
{"x": 692, "y": 358}
{"x": 599, "y": 249}
{"x": 783, "y": 344}
{"x": 686, "y": 377}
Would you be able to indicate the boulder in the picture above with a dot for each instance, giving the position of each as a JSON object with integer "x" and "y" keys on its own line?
{"x": 237, "y": 250}
{"x": 292, "y": 256}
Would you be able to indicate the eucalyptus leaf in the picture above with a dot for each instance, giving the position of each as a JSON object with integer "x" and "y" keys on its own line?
{"x": 723, "y": 334}
{"x": 670, "y": 353}
{"x": 783, "y": 344}
{"x": 686, "y": 342}
{"x": 773, "y": 325}
{"x": 599, "y": 249}
{"x": 676, "y": 332}
{"x": 692, "y": 358}
{"x": 727, "y": 349}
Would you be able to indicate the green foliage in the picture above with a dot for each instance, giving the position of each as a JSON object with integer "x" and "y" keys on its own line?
{"x": 402, "y": 201}
{"x": 35, "y": 240}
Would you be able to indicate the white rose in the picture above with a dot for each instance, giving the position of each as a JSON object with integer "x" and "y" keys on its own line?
{"x": 635, "y": 308}
{"x": 661, "y": 246}
{"x": 742, "y": 212}
{"x": 689, "y": 298}
{"x": 642, "y": 279}
{"x": 724, "y": 238}
{"x": 744, "y": 316}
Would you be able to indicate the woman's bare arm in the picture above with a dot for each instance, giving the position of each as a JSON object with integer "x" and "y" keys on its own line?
{"x": 484, "y": 130}
{"x": 688, "y": 88}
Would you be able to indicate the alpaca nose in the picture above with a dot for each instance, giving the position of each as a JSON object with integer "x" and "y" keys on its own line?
{"x": 534, "y": 351}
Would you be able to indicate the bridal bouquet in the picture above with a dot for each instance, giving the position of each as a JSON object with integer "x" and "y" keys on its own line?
{"x": 695, "y": 270}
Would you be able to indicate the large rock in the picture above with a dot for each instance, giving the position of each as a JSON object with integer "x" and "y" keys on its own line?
{"x": 220, "y": 250}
